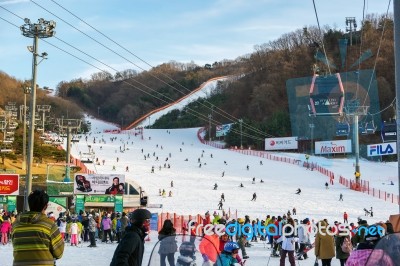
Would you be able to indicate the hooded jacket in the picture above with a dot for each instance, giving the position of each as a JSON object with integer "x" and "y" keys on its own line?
{"x": 36, "y": 240}
{"x": 324, "y": 243}
{"x": 129, "y": 251}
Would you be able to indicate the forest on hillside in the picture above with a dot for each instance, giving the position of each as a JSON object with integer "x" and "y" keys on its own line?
{"x": 257, "y": 95}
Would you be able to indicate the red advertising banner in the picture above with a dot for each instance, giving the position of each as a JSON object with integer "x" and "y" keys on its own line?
{"x": 9, "y": 184}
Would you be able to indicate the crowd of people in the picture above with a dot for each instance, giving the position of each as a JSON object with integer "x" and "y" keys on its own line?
{"x": 352, "y": 244}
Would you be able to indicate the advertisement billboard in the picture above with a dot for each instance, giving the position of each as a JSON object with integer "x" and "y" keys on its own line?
{"x": 289, "y": 143}
{"x": 334, "y": 146}
{"x": 222, "y": 130}
{"x": 99, "y": 184}
{"x": 382, "y": 149}
{"x": 9, "y": 184}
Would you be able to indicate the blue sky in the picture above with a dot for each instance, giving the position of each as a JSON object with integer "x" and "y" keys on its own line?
{"x": 159, "y": 31}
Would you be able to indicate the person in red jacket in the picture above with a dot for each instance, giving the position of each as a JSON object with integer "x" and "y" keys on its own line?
{"x": 207, "y": 219}
{"x": 345, "y": 216}
{"x": 208, "y": 248}
{"x": 223, "y": 239}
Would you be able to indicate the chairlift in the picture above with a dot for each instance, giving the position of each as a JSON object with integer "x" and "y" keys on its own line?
{"x": 326, "y": 95}
{"x": 370, "y": 127}
{"x": 362, "y": 129}
{"x": 342, "y": 129}
{"x": 389, "y": 131}
{"x": 87, "y": 157}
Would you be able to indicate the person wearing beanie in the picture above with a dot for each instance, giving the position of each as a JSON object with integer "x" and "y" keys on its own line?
{"x": 130, "y": 249}
{"x": 359, "y": 236}
{"x": 367, "y": 253}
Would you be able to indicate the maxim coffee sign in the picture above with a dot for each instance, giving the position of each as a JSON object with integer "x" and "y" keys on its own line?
{"x": 337, "y": 146}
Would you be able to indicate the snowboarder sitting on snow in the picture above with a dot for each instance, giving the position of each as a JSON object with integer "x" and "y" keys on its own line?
{"x": 241, "y": 185}
{"x": 298, "y": 191}
{"x": 215, "y": 186}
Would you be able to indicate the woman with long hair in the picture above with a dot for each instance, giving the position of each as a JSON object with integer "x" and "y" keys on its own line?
{"x": 168, "y": 245}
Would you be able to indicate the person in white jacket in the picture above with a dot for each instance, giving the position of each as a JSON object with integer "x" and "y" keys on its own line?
{"x": 288, "y": 240}
{"x": 304, "y": 239}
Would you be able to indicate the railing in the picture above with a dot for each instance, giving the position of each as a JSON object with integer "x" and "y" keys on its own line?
{"x": 363, "y": 186}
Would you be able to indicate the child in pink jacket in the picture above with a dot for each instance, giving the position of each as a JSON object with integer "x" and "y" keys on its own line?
{"x": 5, "y": 229}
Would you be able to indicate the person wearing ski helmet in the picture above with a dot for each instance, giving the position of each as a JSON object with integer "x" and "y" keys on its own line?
{"x": 228, "y": 256}
{"x": 130, "y": 249}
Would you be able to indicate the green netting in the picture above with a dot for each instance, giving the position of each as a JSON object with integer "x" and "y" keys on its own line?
{"x": 55, "y": 184}
{"x": 358, "y": 85}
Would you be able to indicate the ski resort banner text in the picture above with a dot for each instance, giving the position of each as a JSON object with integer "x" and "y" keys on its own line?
{"x": 99, "y": 184}
{"x": 9, "y": 184}
{"x": 337, "y": 146}
{"x": 289, "y": 143}
{"x": 382, "y": 149}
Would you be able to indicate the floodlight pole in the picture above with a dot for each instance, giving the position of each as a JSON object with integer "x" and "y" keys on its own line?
{"x": 41, "y": 29}
{"x": 396, "y": 11}
{"x": 31, "y": 136}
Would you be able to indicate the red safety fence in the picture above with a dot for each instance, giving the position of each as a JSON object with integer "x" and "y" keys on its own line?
{"x": 362, "y": 187}
{"x": 83, "y": 167}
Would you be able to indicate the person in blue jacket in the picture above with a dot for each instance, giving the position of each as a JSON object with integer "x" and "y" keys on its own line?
{"x": 228, "y": 256}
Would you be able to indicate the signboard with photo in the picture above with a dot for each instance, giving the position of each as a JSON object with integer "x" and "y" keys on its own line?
{"x": 112, "y": 184}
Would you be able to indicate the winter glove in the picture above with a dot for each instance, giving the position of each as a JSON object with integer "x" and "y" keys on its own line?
{"x": 205, "y": 257}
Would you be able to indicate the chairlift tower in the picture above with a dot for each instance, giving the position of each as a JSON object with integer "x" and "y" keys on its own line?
{"x": 354, "y": 109}
{"x": 69, "y": 125}
{"x": 44, "y": 109}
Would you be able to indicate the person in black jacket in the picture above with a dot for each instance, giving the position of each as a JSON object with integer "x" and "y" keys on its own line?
{"x": 130, "y": 249}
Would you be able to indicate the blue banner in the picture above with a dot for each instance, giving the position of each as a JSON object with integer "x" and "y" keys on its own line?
{"x": 154, "y": 222}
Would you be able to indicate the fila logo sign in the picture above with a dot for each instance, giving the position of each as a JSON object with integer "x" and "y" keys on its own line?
{"x": 382, "y": 149}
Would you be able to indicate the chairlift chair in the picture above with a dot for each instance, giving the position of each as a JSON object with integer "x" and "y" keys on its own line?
{"x": 326, "y": 95}
{"x": 342, "y": 129}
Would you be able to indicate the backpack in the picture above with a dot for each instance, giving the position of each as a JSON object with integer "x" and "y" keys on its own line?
{"x": 346, "y": 246}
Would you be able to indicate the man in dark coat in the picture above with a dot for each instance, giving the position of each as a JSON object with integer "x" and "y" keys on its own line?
{"x": 130, "y": 249}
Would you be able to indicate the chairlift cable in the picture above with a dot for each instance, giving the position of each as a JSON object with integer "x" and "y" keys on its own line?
{"x": 361, "y": 43}
{"x": 377, "y": 54}
{"x": 321, "y": 38}
{"x": 224, "y": 114}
